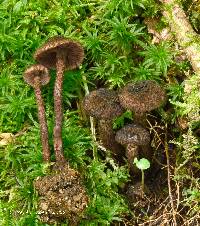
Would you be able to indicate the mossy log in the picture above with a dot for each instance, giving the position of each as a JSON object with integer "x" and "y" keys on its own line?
{"x": 187, "y": 38}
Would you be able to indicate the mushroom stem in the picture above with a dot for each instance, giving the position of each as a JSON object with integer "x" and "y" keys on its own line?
{"x": 42, "y": 121}
{"x": 132, "y": 151}
{"x": 58, "y": 144}
{"x": 107, "y": 136}
{"x": 140, "y": 117}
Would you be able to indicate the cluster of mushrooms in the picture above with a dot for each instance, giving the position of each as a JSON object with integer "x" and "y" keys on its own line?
{"x": 105, "y": 105}
{"x": 62, "y": 194}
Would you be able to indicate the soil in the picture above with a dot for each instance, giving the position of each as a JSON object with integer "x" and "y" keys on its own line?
{"x": 62, "y": 196}
{"x": 151, "y": 207}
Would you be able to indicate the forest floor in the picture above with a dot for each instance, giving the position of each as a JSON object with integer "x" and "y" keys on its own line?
{"x": 124, "y": 42}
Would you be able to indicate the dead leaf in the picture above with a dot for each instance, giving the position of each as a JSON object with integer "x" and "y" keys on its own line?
{"x": 6, "y": 138}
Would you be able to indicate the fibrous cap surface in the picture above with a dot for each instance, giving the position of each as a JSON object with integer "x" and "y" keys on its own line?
{"x": 102, "y": 104}
{"x": 72, "y": 52}
{"x": 37, "y": 71}
{"x": 142, "y": 96}
{"x": 133, "y": 134}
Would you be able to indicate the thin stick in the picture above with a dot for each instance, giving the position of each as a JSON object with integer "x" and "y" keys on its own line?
{"x": 92, "y": 124}
{"x": 168, "y": 178}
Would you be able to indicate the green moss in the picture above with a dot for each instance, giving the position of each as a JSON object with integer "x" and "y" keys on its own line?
{"x": 117, "y": 51}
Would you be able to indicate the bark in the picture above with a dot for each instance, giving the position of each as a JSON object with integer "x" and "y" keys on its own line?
{"x": 42, "y": 121}
{"x": 187, "y": 38}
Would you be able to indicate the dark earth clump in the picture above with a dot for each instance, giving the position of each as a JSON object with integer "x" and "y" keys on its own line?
{"x": 62, "y": 196}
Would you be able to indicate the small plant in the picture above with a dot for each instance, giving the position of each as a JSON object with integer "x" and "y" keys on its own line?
{"x": 142, "y": 164}
{"x": 159, "y": 56}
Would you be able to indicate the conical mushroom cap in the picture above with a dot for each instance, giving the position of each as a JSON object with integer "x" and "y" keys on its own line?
{"x": 72, "y": 51}
{"x": 102, "y": 104}
{"x": 142, "y": 96}
{"x": 37, "y": 70}
{"x": 133, "y": 134}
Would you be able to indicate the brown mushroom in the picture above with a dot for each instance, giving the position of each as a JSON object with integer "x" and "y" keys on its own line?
{"x": 62, "y": 54}
{"x": 141, "y": 97}
{"x": 135, "y": 138}
{"x": 103, "y": 104}
{"x": 37, "y": 76}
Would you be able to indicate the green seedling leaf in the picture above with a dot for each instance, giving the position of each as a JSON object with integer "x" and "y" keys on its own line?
{"x": 142, "y": 164}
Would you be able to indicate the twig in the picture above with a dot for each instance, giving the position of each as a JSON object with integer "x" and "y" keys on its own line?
{"x": 168, "y": 178}
{"x": 178, "y": 195}
{"x": 92, "y": 124}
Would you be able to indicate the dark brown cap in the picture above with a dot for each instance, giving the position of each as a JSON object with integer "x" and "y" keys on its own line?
{"x": 72, "y": 51}
{"x": 142, "y": 96}
{"x": 102, "y": 104}
{"x": 133, "y": 134}
{"x": 34, "y": 71}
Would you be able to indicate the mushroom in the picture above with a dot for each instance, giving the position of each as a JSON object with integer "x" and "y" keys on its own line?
{"x": 135, "y": 139}
{"x": 103, "y": 104}
{"x": 61, "y": 54}
{"x": 37, "y": 76}
{"x": 141, "y": 97}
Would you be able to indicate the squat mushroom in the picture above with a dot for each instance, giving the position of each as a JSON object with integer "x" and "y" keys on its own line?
{"x": 37, "y": 76}
{"x": 62, "y": 54}
{"x": 141, "y": 97}
{"x": 103, "y": 104}
{"x": 135, "y": 138}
